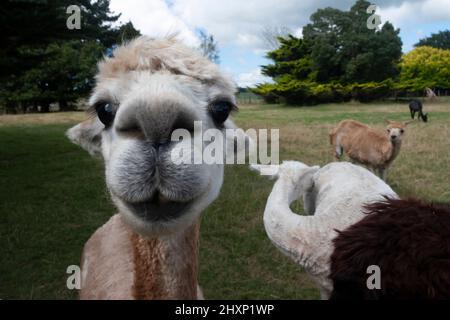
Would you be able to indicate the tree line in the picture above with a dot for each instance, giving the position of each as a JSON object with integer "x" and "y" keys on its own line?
{"x": 339, "y": 58}
{"x": 43, "y": 62}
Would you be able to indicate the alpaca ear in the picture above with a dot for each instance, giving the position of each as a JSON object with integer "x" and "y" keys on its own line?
{"x": 307, "y": 179}
{"x": 387, "y": 121}
{"x": 408, "y": 122}
{"x": 269, "y": 170}
{"x": 88, "y": 135}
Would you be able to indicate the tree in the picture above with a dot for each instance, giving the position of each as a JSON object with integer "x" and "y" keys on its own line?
{"x": 209, "y": 47}
{"x": 271, "y": 35}
{"x": 338, "y": 58}
{"x": 37, "y": 23}
{"x": 126, "y": 32}
{"x": 43, "y": 61}
{"x": 344, "y": 49}
{"x": 440, "y": 40}
{"x": 425, "y": 67}
{"x": 293, "y": 57}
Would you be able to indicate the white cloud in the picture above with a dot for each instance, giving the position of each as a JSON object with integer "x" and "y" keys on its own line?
{"x": 249, "y": 79}
{"x": 414, "y": 12}
{"x": 239, "y": 24}
{"x": 154, "y": 18}
{"x": 298, "y": 32}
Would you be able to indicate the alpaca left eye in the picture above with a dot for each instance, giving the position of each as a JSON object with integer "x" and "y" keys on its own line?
{"x": 220, "y": 110}
{"x": 105, "y": 113}
{"x": 402, "y": 131}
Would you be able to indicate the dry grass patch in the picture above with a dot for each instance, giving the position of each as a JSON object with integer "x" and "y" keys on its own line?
{"x": 42, "y": 118}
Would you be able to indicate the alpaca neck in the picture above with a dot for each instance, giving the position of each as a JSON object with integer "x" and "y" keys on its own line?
{"x": 395, "y": 149}
{"x": 166, "y": 267}
{"x": 287, "y": 230}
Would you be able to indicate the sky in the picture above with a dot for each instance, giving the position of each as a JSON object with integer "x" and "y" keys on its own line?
{"x": 237, "y": 25}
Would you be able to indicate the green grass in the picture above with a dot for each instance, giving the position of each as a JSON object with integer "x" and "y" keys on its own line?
{"x": 53, "y": 197}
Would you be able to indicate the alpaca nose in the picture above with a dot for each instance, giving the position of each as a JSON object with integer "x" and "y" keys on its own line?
{"x": 156, "y": 123}
{"x": 393, "y": 137}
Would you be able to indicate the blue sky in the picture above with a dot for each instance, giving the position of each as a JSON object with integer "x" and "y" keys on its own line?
{"x": 237, "y": 25}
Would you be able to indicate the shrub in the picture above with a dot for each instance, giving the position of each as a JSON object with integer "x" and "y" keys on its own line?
{"x": 370, "y": 91}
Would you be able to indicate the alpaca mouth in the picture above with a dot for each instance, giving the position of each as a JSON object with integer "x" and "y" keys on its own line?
{"x": 159, "y": 208}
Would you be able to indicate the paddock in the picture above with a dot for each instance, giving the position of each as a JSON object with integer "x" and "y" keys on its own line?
{"x": 53, "y": 196}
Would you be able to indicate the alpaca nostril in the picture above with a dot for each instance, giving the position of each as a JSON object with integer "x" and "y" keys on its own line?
{"x": 160, "y": 144}
{"x": 183, "y": 122}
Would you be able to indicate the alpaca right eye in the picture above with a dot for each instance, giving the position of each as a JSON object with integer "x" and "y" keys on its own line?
{"x": 105, "y": 113}
{"x": 220, "y": 110}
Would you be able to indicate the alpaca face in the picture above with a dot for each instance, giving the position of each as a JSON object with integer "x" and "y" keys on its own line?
{"x": 395, "y": 130}
{"x": 148, "y": 90}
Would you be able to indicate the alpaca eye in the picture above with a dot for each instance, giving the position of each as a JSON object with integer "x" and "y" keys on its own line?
{"x": 105, "y": 113}
{"x": 402, "y": 131}
{"x": 389, "y": 130}
{"x": 220, "y": 110}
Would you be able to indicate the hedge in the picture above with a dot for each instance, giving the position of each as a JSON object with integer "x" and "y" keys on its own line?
{"x": 293, "y": 91}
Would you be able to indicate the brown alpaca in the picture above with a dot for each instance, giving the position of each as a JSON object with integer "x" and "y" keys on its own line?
{"x": 367, "y": 146}
{"x": 410, "y": 242}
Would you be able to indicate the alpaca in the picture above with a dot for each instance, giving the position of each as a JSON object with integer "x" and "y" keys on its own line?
{"x": 409, "y": 240}
{"x": 147, "y": 90}
{"x": 416, "y": 106}
{"x": 368, "y": 146}
{"x": 431, "y": 96}
{"x": 333, "y": 199}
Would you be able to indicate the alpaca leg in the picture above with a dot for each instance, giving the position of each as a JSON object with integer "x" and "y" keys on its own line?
{"x": 383, "y": 173}
{"x": 412, "y": 113}
{"x": 324, "y": 294}
{"x": 309, "y": 202}
{"x": 200, "y": 295}
{"x": 338, "y": 151}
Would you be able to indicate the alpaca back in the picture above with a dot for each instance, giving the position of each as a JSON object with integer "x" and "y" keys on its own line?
{"x": 409, "y": 240}
{"x": 362, "y": 143}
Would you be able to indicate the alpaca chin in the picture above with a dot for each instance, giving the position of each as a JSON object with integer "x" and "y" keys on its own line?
{"x": 160, "y": 228}
{"x": 169, "y": 223}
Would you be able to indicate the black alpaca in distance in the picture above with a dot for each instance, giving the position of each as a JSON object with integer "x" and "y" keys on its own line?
{"x": 416, "y": 106}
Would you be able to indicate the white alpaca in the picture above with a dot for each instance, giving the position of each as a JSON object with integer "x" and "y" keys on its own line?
{"x": 147, "y": 90}
{"x": 333, "y": 198}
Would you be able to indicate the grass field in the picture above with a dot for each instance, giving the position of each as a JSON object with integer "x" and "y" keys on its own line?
{"x": 53, "y": 196}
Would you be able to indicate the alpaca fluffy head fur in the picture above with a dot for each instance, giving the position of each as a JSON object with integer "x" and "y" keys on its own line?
{"x": 409, "y": 240}
{"x": 153, "y": 87}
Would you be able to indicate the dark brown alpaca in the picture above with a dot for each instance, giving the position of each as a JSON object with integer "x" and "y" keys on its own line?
{"x": 408, "y": 239}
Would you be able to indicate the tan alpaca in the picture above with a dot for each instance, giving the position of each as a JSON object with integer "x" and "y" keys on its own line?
{"x": 146, "y": 91}
{"x": 367, "y": 146}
